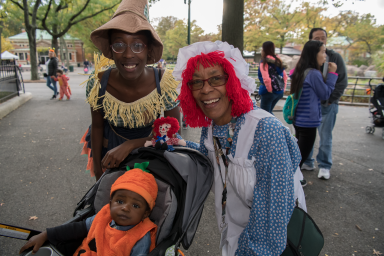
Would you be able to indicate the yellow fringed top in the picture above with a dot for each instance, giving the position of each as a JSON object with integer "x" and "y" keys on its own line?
{"x": 135, "y": 114}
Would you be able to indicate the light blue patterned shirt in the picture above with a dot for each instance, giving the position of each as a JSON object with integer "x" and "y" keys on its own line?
{"x": 277, "y": 157}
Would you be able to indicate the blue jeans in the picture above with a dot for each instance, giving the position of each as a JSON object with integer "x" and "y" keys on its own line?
{"x": 53, "y": 87}
{"x": 269, "y": 100}
{"x": 324, "y": 157}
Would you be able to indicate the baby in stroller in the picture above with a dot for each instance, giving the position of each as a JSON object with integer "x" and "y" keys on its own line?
{"x": 184, "y": 178}
{"x": 133, "y": 196}
{"x": 377, "y": 111}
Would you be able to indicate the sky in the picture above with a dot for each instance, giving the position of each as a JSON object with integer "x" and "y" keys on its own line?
{"x": 208, "y": 13}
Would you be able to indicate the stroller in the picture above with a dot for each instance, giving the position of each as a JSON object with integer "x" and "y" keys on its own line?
{"x": 377, "y": 110}
{"x": 184, "y": 178}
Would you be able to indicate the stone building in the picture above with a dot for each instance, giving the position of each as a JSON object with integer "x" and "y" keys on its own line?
{"x": 43, "y": 43}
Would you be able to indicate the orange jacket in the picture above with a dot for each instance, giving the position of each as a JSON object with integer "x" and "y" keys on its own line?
{"x": 63, "y": 79}
{"x": 110, "y": 241}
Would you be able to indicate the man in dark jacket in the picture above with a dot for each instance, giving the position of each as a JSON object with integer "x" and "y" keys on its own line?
{"x": 52, "y": 69}
{"x": 329, "y": 110}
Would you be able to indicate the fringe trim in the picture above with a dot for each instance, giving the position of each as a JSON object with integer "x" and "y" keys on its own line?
{"x": 137, "y": 113}
{"x": 101, "y": 64}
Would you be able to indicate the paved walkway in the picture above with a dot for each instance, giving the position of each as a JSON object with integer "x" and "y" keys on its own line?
{"x": 43, "y": 175}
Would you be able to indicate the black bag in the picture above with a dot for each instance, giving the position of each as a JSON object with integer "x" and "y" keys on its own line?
{"x": 277, "y": 81}
{"x": 304, "y": 237}
{"x": 45, "y": 75}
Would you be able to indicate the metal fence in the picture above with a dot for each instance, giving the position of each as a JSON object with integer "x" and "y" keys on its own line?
{"x": 358, "y": 91}
{"x": 11, "y": 81}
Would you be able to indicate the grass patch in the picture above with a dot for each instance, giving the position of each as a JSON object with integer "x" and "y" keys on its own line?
{"x": 355, "y": 99}
{"x": 5, "y": 94}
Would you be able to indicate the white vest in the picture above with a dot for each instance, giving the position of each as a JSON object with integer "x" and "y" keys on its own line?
{"x": 241, "y": 181}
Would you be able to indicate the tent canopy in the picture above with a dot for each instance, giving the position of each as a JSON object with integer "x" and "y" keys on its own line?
{"x": 8, "y": 56}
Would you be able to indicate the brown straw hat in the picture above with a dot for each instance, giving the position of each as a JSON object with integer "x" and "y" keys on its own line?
{"x": 131, "y": 16}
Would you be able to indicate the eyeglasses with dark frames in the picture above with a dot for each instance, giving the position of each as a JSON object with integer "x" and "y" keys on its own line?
{"x": 121, "y": 47}
{"x": 213, "y": 81}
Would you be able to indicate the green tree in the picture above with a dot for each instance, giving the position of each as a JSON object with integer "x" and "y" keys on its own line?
{"x": 30, "y": 12}
{"x": 364, "y": 33}
{"x": 175, "y": 39}
{"x": 164, "y": 24}
{"x": 6, "y": 45}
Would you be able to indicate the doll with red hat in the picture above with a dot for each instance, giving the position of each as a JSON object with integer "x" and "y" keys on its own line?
{"x": 121, "y": 227}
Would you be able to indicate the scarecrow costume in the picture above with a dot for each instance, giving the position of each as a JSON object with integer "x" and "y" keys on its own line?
{"x": 126, "y": 121}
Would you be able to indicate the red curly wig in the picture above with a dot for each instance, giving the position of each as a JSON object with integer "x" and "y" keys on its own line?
{"x": 166, "y": 120}
{"x": 239, "y": 97}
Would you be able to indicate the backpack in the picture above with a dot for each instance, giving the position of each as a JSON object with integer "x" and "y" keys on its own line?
{"x": 277, "y": 81}
{"x": 290, "y": 105}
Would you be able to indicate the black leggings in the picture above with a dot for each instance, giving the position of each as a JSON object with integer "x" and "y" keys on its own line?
{"x": 306, "y": 139}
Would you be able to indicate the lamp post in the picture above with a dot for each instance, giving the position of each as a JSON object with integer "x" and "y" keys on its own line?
{"x": 189, "y": 21}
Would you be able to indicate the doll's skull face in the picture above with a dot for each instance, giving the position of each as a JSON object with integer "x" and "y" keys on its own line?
{"x": 163, "y": 129}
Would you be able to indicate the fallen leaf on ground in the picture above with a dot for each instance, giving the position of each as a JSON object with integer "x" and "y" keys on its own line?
{"x": 357, "y": 226}
{"x": 63, "y": 128}
{"x": 377, "y": 253}
{"x": 33, "y": 218}
{"x": 340, "y": 163}
{"x": 310, "y": 183}
{"x": 1, "y": 204}
{"x": 370, "y": 169}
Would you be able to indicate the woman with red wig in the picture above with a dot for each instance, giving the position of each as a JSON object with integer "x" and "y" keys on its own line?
{"x": 254, "y": 156}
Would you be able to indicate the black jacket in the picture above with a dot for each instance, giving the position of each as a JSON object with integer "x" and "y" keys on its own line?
{"x": 52, "y": 67}
{"x": 342, "y": 80}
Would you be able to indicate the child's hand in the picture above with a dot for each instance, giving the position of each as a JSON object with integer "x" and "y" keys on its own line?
{"x": 35, "y": 241}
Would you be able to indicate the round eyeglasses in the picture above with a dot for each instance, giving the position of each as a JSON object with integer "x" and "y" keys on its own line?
{"x": 121, "y": 47}
{"x": 213, "y": 81}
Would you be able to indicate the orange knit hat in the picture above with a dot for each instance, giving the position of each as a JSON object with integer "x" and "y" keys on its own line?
{"x": 140, "y": 182}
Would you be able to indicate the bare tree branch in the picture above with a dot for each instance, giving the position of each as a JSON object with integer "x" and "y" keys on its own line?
{"x": 22, "y": 8}
{"x": 45, "y": 18}
{"x": 81, "y": 10}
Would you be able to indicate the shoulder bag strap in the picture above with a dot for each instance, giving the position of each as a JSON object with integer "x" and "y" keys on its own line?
{"x": 157, "y": 78}
{"x": 103, "y": 86}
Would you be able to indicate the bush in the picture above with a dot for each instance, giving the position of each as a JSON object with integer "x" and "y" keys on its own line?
{"x": 378, "y": 61}
{"x": 359, "y": 62}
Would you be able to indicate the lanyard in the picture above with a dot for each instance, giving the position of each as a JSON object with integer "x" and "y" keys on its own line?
{"x": 218, "y": 153}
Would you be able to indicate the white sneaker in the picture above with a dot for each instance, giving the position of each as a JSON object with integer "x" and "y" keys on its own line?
{"x": 306, "y": 167}
{"x": 324, "y": 174}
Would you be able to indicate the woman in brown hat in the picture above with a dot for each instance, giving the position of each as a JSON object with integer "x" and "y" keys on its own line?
{"x": 125, "y": 95}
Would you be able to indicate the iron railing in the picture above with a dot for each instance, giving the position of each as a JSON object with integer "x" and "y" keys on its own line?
{"x": 355, "y": 93}
{"x": 11, "y": 82}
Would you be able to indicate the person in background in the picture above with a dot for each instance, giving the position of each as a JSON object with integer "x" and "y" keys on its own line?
{"x": 272, "y": 77}
{"x": 63, "y": 81}
{"x": 312, "y": 88}
{"x": 329, "y": 110}
{"x": 51, "y": 71}
{"x": 86, "y": 63}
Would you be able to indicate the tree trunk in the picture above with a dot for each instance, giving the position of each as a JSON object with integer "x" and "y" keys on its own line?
{"x": 233, "y": 23}
{"x": 63, "y": 43}
{"x": 32, "y": 53}
{"x": 55, "y": 41}
{"x": 1, "y": 31}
